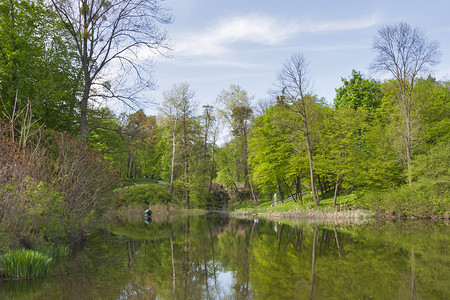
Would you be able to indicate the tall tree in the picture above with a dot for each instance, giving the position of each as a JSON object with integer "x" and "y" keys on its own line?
{"x": 271, "y": 150}
{"x": 236, "y": 109}
{"x": 113, "y": 35}
{"x": 338, "y": 156}
{"x": 405, "y": 53}
{"x": 177, "y": 107}
{"x": 294, "y": 87}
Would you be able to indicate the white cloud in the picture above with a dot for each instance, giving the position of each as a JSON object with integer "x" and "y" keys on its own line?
{"x": 259, "y": 29}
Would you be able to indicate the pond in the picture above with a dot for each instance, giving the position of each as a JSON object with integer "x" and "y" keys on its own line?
{"x": 215, "y": 256}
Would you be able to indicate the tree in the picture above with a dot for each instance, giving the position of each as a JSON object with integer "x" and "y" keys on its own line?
{"x": 113, "y": 35}
{"x": 140, "y": 132}
{"x": 294, "y": 90}
{"x": 236, "y": 109}
{"x": 358, "y": 92}
{"x": 338, "y": 150}
{"x": 271, "y": 150}
{"x": 178, "y": 108}
{"x": 405, "y": 53}
{"x": 37, "y": 64}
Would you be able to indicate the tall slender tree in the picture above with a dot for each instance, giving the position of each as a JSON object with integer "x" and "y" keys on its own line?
{"x": 178, "y": 107}
{"x": 237, "y": 111}
{"x": 294, "y": 89}
{"x": 405, "y": 53}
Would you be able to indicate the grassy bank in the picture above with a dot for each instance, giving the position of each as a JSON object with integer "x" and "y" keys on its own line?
{"x": 344, "y": 212}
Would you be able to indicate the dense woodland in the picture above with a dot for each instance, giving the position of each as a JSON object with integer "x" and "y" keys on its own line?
{"x": 63, "y": 150}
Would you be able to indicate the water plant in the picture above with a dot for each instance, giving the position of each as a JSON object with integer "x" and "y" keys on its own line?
{"x": 54, "y": 251}
{"x": 25, "y": 263}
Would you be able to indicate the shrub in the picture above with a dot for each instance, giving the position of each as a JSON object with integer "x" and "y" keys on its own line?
{"x": 25, "y": 263}
{"x": 52, "y": 189}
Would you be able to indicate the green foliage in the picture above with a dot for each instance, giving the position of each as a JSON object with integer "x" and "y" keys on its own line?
{"x": 151, "y": 194}
{"x": 433, "y": 108}
{"x": 38, "y": 63}
{"x": 271, "y": 150}
{"x": 428, "y": 196}
{"x": 25, "y": 263}
{"x": 358, "y": 92}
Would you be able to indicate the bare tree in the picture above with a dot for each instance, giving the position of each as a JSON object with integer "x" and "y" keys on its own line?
{"x": 405, "y": 53}
{"x": 294, "y": 87}
{"x": 111, "y": 37}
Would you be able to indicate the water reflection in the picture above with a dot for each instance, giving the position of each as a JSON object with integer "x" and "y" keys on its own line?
{"x": 214, "y": 256}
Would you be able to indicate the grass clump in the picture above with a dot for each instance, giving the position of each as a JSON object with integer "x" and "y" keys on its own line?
{"x": 25, "y": 263}
{"x": 54, "y": 251}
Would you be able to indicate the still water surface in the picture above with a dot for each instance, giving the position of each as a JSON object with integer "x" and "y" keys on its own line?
{"x": 215, "y": 256}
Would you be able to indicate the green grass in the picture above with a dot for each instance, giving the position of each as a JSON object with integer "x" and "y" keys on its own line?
{"x": 25, "y": 263}
{"x": 54, "y": 251}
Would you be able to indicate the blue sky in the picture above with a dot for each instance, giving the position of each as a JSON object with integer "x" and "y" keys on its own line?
{"x": 245, "y": 42}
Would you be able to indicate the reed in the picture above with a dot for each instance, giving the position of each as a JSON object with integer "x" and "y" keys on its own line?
{"x": 54, "y": 251}
{"x": 25, "y": 263}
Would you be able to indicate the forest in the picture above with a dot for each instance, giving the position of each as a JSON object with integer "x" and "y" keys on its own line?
{"x": 65, "y": 156}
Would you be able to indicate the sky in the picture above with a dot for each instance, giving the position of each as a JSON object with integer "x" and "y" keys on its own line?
{"x": 217, "y": 43}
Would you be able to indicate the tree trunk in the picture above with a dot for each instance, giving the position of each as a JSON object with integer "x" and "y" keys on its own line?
{"x": 212, "y": 167}
{"x": 338, "y": 182}
{"x": 408, "y": 148}
{"x": 172, "y": 168}
{"x": 298, "y": 188}
{"x": 186, "y": 161}
{"x": 407, "y": 111}
{"x": 289, "y": 190}
{"x": 321, "y": 187}
{"x": 87, "y": 77}
{"x": 280, "y": 191}
{"x": 311, "y": 169}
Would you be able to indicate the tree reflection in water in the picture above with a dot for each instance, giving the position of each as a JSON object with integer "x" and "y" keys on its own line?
{"x": 214, "y": 256}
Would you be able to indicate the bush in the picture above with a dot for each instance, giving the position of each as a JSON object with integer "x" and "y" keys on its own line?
{"x": 419, "y": 200}
{"x": 25, "y": 263}
{"x": 428, "y": 196}
{"x": 52, "y": 189}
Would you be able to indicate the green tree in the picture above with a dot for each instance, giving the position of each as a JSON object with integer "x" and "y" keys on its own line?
{"x": 37, "y": 64}
{"x": 237, "y": 111}
{"x": 178, "y": 110}
{"x": 271, "y": 151}
{"x": 339, "y": 147}
{"x": 432, "y": 99}
{"x": 358, "y": 92}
